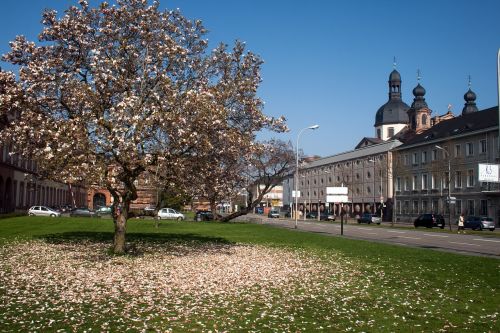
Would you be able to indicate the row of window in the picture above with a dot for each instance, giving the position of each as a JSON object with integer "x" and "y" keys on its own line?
{"x": 468, "y": 207}
{"x": 369, "y": 161}
{"x": 433, "y": 181}
{"x": 358, "y": 191}
{"x": 15, "y": 160}
{"x": 468, "y": 149}
{"x": 26, "y": 195}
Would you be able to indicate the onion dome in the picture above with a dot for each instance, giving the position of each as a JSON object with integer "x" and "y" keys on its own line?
{"x": 419, "y": 100}
{"x": 470, "y": 104}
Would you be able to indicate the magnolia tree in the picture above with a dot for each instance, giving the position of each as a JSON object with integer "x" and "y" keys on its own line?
{"x": 113, "y": 92}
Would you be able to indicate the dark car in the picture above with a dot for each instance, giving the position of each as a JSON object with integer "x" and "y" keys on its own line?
{"x": 274, "y": 214}
{"x": 204, "y": 215}
{"x": 479, "y": 223}
{"x": 259, "y": 210}
{"x": 429, "y": 221}
{"x": 82, "y": 212}
{"x": 323, "y": 216}
{"x": 369, "y": 218}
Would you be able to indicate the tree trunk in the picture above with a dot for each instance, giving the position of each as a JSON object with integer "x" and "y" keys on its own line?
{"x": 236, "y": 214}
{"x": 120, "y": 228}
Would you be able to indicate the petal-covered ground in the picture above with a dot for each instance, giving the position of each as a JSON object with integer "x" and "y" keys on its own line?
{"x": 192, "y": 286}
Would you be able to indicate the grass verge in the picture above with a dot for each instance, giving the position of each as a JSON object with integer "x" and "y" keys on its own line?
{"x": 191, "y": 277}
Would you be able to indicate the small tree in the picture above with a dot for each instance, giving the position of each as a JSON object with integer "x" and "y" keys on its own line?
{"x": 266, "y": 168}
{"x": 113, "y": 91}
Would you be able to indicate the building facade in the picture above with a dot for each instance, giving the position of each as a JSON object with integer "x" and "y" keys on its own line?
{"x": 443, "y": 161}
{"x": 21, "y": 189}
{"x": 365, "y": 171}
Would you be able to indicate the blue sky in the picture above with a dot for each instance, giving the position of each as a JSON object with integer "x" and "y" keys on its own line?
{"x": 328, "y": 62}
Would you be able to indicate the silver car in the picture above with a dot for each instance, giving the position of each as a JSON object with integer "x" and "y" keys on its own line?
{"x": 170, "y": 214}
{"x": 479, "y": 223}
{"x": 43, "y": 211}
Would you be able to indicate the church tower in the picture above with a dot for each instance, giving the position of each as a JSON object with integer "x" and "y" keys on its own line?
{"x": 392, "y": 117}
{"x": 419, "y": 113}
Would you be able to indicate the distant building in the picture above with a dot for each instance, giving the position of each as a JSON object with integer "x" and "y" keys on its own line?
{"x": 403, "y": 170}
{"x": 460, "y": 144}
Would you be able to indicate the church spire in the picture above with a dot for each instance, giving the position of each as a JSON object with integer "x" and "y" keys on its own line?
{"x": 394, "y": 83}
{"x": 470, "y": 100}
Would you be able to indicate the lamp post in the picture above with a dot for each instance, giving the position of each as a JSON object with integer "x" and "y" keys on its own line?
{"x": 313, "y": 127}
{"x": 448, "y": 181}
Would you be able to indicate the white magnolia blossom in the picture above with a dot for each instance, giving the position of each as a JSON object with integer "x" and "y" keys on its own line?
{"x": 112, "y": 90}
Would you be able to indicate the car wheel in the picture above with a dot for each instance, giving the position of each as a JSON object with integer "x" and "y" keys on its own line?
{"x": 179, "y": 219}
{"x": 159, "y": 217}
{"x": 492, "y": 229}
{"x": 52, "y": 215}
{"x": 359, "y": 222}
{"x": 441, "y": 227}
{"x": 480, "y": 228}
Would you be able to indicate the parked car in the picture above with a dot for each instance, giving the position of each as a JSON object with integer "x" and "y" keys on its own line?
{"x": 479, "y": 223}
{"x": 369, "y": 218}
{"x": 82, "y": 212}
{"x": 43, "y": 211}
{"x": 274, "y": 214}
{"x": 323, "y": 216}
{"x": 204, "y": 215}
{"x": 149, "y": 210}
{"x": 259, "y": 210}
{"x": 104, "y": 210}
{"x": 170, "y": 214}
{"x": 429, "y": 221}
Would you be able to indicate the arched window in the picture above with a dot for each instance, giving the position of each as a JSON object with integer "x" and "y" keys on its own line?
{"x": 424, "y": 119}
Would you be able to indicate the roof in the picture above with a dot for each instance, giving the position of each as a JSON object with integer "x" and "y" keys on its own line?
{"x": 368, "y": 142}
{"x": 392, "y": 112}
{"x": 466, "y": 123}
{"x": 356, "y": 153}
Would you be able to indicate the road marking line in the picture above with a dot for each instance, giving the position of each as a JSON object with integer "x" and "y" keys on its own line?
{"x": 464, "y": 243}
{"x": 397, "y": 232}
{"x": 434, "y": 235}
{"x": 371, "y": 233}
{"x": 409, "y": 237}
{"x": 487, "y": 240}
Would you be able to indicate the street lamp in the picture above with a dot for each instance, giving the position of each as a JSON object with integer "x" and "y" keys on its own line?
{"x": 313, "y": 127}
{"x": 448, "y": 181}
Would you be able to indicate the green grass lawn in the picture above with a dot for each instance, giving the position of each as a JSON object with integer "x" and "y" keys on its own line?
{"x": 58, "y": 274}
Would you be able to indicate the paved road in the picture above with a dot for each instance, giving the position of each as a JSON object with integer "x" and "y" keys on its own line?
{"x": 470, "y": 244}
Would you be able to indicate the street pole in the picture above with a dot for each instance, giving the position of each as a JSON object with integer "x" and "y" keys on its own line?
{"x": 313, "y": 127}
{"x": 498, "y": 93}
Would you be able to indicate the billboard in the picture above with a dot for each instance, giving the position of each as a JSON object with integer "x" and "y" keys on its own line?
{"x": 336, "y": 190}
{"x": 488, "y": 173}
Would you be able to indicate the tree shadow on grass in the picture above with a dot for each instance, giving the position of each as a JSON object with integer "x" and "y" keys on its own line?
{"x": 190, "y": 242}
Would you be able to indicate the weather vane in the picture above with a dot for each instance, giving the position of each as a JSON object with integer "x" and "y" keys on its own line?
{"x": 418, "y": 76}
{"x": 394, "y": 63}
